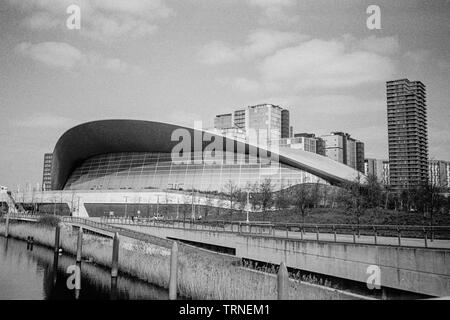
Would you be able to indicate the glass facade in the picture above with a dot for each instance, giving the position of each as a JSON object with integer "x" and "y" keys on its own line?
{"x": 153, "y": 170}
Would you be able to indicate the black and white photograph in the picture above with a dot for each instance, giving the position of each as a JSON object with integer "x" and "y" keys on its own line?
{"x": 218, "y": 156}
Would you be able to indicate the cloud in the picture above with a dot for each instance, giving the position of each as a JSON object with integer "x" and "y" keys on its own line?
{"x": 259, "y": 43}
{"x": 323, "y": 64}
{"x": 44, "y": 121}
{"x": 217, "y": 52}
{"x": 332, "y": 104}
{"x": 52, "y": 54}
{"x": 418, "y": 56}
{"x": 242, "y": 84}
{"x": 383, "y": 45}
{"x": 275, "y": 11}
{"x": 61, "y": 55}
{"x": 100, "y": 19}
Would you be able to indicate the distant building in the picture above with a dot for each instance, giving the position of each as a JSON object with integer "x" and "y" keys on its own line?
{"x": 378, "y": 168}
{"x": 224, "y": 121}
{"x": 407, "y": 133}
{"x": 341, "y": 147}
{"x": 261, "y": 123}
{"x": 439, "y": 173}
{"x": 285, "y": 127}
{"x": 233, "y": 133}
{"x": 360, "y": 155}
{"x": 303, "y": 141}
{"x": 47, "y": 172}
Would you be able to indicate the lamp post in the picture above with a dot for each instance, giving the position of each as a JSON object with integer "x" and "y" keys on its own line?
{"x": 126, "y": 206}
{"x": 248, "y": 204}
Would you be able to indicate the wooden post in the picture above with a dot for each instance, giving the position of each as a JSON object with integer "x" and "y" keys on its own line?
{"x": 173, "y": 272}
{"x": 354, "y": 236}
{"x": 425, "y": 237}
{"x": 283, "y": 282}
{"x": 79, "y": 244}
{"x": 7, "y": 225}
{"x": 113, "y": 292}
{"x": 317, "y": 233}
{"x": 115, "y": 256}
{"x": 375, "y": 234}
{"x": 399, "y": 234}
{"x": 57, "y": 237}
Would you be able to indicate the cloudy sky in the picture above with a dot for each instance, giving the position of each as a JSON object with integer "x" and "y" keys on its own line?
{"x": 181, "y": 61}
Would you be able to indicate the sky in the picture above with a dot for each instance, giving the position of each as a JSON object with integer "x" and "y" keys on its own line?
{"x": 186, "y": 61}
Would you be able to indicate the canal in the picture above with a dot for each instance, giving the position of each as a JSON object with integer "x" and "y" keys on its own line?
{"x": 29, "y": 273}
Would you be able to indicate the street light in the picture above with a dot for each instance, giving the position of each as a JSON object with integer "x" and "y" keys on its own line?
{"x": 248, "y": 204}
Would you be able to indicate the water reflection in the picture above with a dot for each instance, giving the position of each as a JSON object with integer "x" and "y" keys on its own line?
{"x": 39, "y": 273}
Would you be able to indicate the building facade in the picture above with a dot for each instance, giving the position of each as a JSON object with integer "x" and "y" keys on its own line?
{"x": 47, "y": 172}
{"x": 439, "y": 173}
{"x": 285, "y": 127}
{"x": 378, "y": 168}
{"x": 407, "y": 133}
{"x": 144, "y": 159}
{"x": 261, "y": 123}
{"x": 341, "y": 147}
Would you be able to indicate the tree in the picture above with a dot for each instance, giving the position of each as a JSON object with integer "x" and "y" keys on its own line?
{"x": 282, "y": 198}
{"x": 429, "y": 200}
{"x": 208, "y": 204}
{"x": 355, "y": 197}
{"x": 266, "y": 193}
{"x": 315, "y": 194}
{"x": 374, "y": 191}
{"x": 231, "y": 191}
{"x": 301, "y": 199}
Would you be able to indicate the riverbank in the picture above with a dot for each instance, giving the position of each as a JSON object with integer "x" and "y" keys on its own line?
{"x": 201, "y": 275}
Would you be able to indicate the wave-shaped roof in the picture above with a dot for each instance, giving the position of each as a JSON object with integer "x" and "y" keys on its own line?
{"x": 110, "y": 136}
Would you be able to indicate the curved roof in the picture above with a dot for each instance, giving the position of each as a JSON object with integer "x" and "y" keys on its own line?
{"x": 111, "y": 136}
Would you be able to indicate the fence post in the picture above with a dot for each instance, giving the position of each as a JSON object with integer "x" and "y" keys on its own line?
{"x": 173, "y": 272}
{"x": 354, "y": 236}
{"x": 7, "y": 225}
{"x": 115, "y": 256}
{"x": 399, "y": 234}
{"x": 375, "y": 234}
{"x": 317, "y": 232}
{"x": 425, "y": 237}
{"x": 57, "y": 237}
{"x": 283, "y": 282}
{"x": 287, "y": 231}
{"x": 334, "y": 232}
{"x": 79, "y": 245}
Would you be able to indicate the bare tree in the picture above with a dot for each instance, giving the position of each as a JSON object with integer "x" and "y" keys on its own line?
{"x": 282, "y": 197}
{"x": 355, "y": 198}
{"x": 300, "y": 198}
{"x": 208, "y": 204}
{"x": 266, "y": 193}
{"x": 231, "y": 191}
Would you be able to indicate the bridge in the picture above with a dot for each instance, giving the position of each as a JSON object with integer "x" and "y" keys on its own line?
{"x": 406, "y": 261}
{"x": 410, "y": 264}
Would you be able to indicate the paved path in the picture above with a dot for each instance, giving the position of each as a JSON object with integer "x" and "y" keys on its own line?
{"x": 364, "y": 239}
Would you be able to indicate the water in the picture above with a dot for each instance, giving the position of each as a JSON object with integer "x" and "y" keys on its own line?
{"x": 29, "y": 274}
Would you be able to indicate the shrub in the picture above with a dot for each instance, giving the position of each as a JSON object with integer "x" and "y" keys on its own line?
{"x": 49, "y": 221}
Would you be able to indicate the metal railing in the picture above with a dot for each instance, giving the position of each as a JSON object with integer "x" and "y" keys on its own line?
{"x": 399, "y": 235}
{"x": 162, "y": 242}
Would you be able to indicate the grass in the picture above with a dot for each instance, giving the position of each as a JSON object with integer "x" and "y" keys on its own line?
{"x": 201, "y": 275}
